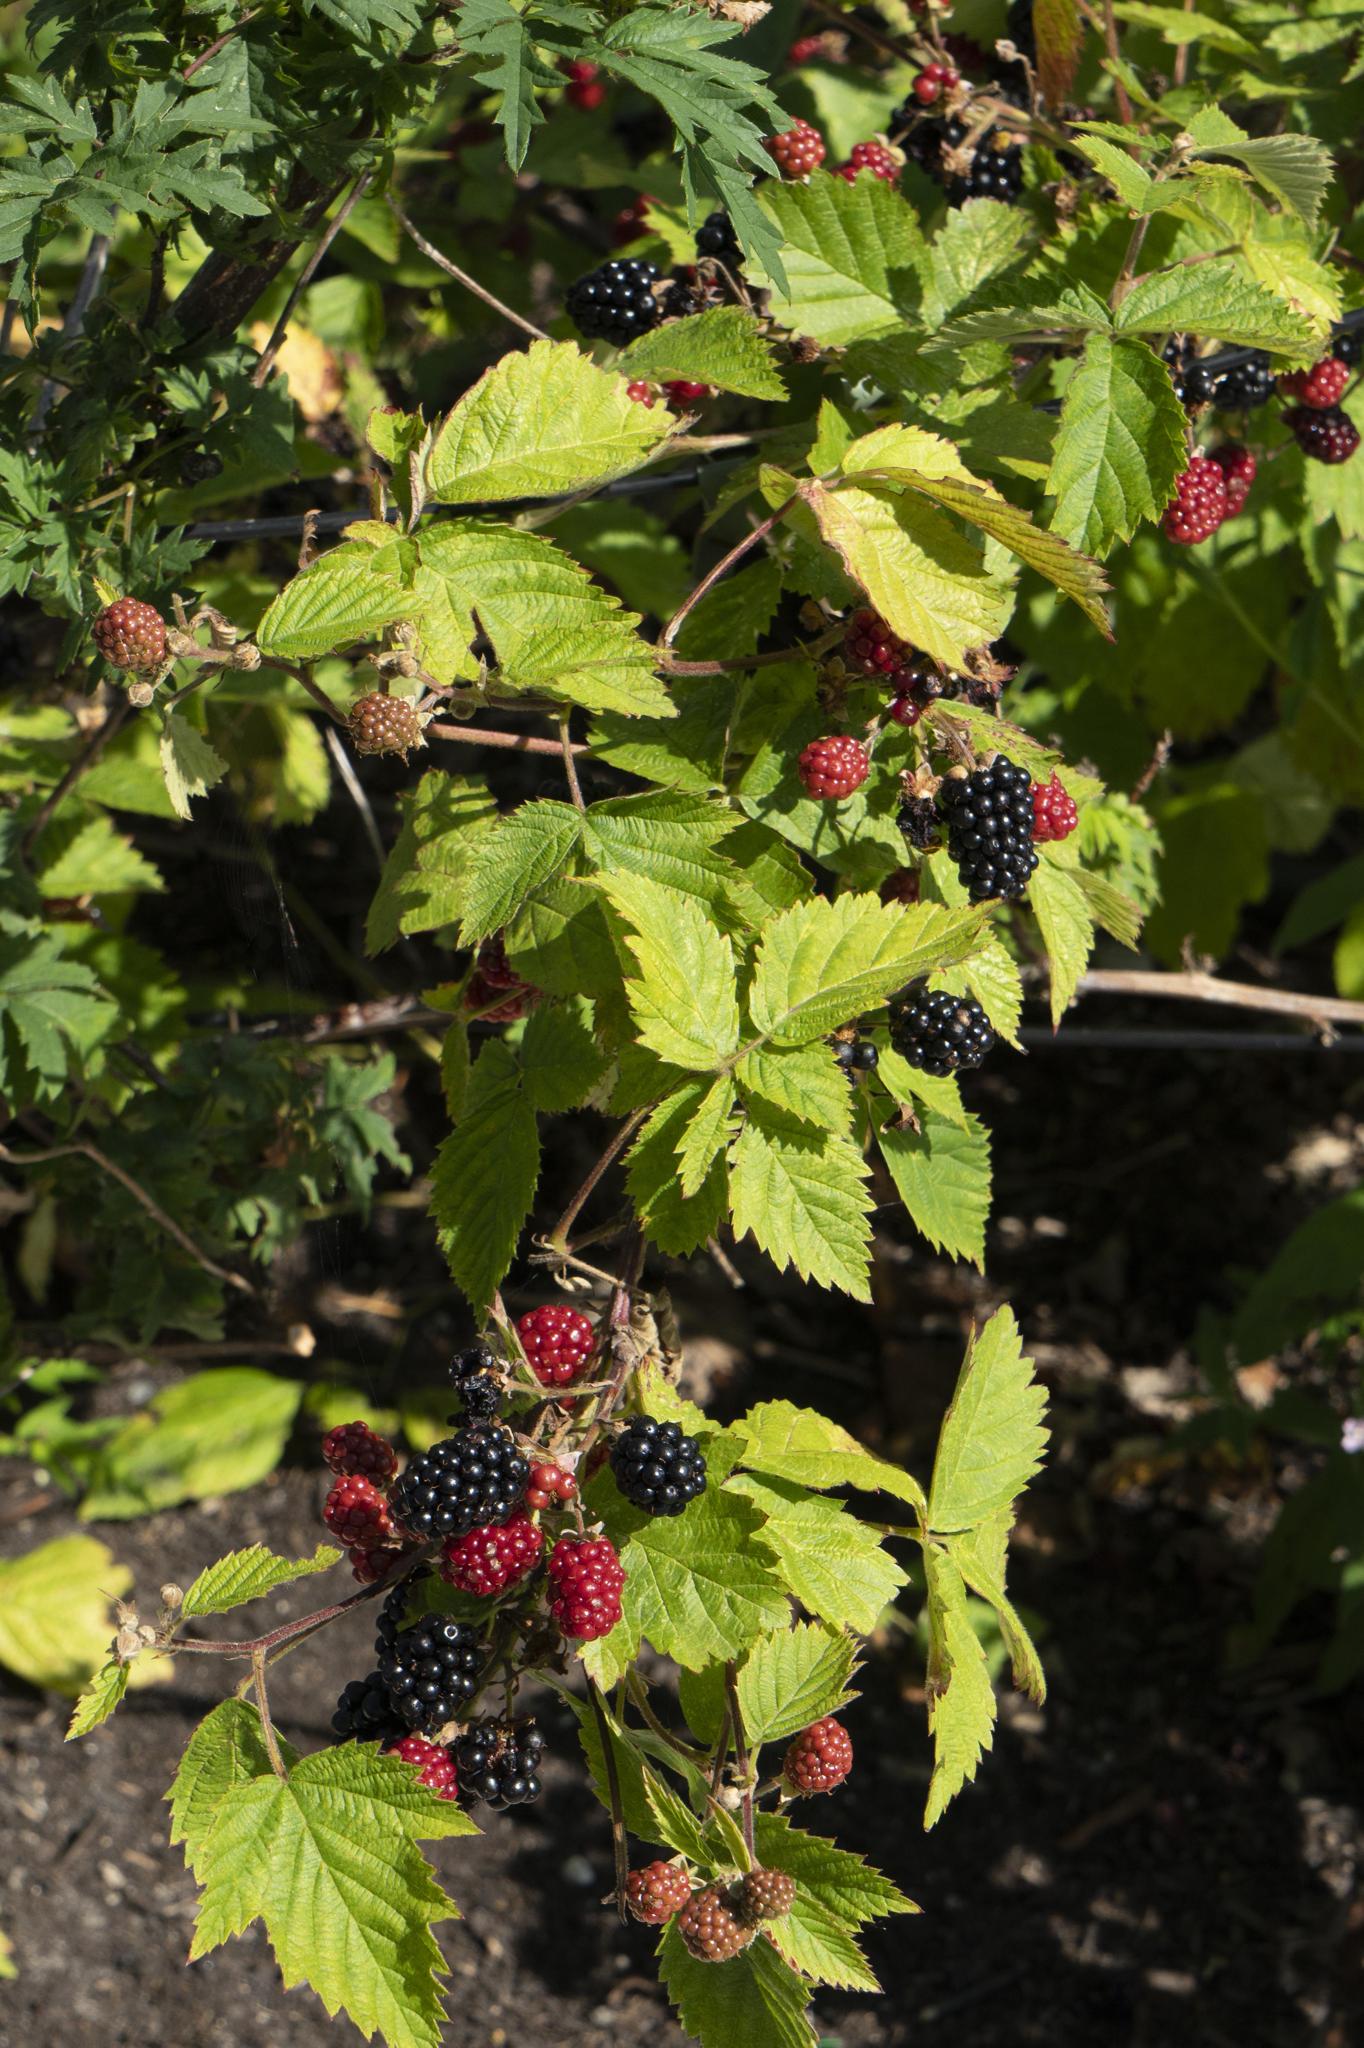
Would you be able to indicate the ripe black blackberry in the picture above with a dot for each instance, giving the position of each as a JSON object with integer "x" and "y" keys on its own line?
{"x": 499, "y": 1763}
{"x": 615, "y": 302}
{"x": 431, "y": 1669}
{"x": 1348, "y": 346}
{"x": 940, "y": 1033}
{"x": 918, "y": 819}
{"x": 1193, "y": 384}
{"x": 990, "y": 828}
{"x": 716, "y": 237}
{"x": 478, "y": 1392}
{"x": 364, "y": 1712}
{"x": 473, "y": 1477}
{"x": 656, "y": 1467}
{"x": 1245, "y": 386}
{"x": 856, "y": 1056}
{"x": 996, "y": 167}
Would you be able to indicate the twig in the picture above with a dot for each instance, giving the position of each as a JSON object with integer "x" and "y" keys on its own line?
{"x": 1192, "y": 986}
{"x": 470, "y": 284}
{"x": 345, "y": 768}
{"x": 91, "y": 278}
{"x": 1153, "y": 767}
{"x": 267, "y": 1726}
{"x": 559, "y": 1235}
{"x": 478, "y": 736}
{"x": 305, "y": 276}
{"x": 1182, "y": 53}
{"x": 83, "y": 1149}
{"x": 736, "y": 1727}
{"x": 315, "y": 691}
{"x": 724, "y": 565}
{"x": 635, "y": 1687}
{"x": 287, "y": 1630}
{"x": 626, "y": 1354}
{"x": 1124, "y": 104}
{"x": 575, "y": 788}
{"x": 618, "y": 1844}
{"x": 226, "y": 37}
{"x": 82, "y": 765}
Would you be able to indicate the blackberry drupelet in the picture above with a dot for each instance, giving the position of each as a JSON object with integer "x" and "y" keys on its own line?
{"x": 990, "y": 829}
{"x": 431, "y": 1669}
{"x": 500, "y": 1764}
{"x": 475, "y": 1476}
{"x": 1243, "y": 388}
{"x": 940, "y": 1033}
{"x": 614, "y": 302}
{"x": 656, "y": 1467}
{"x": 364, "y": 1712}
{"x": 716, "y": 237}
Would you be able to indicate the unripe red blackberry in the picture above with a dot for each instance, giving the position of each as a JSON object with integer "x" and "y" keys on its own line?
{"x": 642, "y": 393}
{"x": 833, "y": 768}
{"x": 586, "y": 89}
{"x": 680, "y": 391}
{"x": 586, "y": 1580}
{"x": 870, "y": 156}
{"x": 369, "y": 1566}
{"x": 433, "y": 1763}
{"x": 380, "y": 724}
{"x": 357, "y": 1514}
{"x": 1054, "y": 810}
{"x": 869, "y": 644}
{"x": 906, "y": 711}
{"x": 557, "y": 1341}
{"x": 1199, "y": 505}
{"x": 130, "y": 635}
{"x": 1238, "y": 467}
{"x": 550, "y": 1486}
{"x": 353, "y": 1447}
{"x": 487, "y": 1560}
{"x": 820, "y": 1757}
{"x": 797, "y": 151}
{"x": 1323, "y": 436}
{"x": 1320, "y": 387}
{"x": 657, "y": 1891}
{"x": 709, "y": 1929}
{"x": 482, "y": 997}
{"x": 806, "y": 47}
{"x": 903, "y": 886}
{"x": 763, "y": 1895}
{"x": 494, "y": 966}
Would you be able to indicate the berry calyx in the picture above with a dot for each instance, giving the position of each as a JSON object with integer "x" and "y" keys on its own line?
{"x": 1323, "y": 436}
{"x": 940, "y": 1033}
{"x": 797, "y": 151}
{"x": 354, "y": 1448}
{"x": 875, "y": 157}
{"x": 820, "y": 1757}
{"x": 130, "y": 634}
{"x": 586, "y": 1580}
{"x": 379, "y": 724}
{"x": 357, "y": 1514}
{"x": 656, "y": 1467}
{"x": 1054, "y": 811}
{"x": 763, "y": 1895}
{"x": 615, "y": 302}
{"x": 990, "y": 828}
{"x": 834, "y": 767}
{"x": 1320, "y": 387}
{"x": 550, "y": 1486}
{"x": 657, "y": 1891}
{"x": 1199, "y": 505}
{"x": 1238, "y": 467}
{"x": 471, "y": 1478}
{"x": 486, "y": 1561}
{"x": 709, "y": 1928}
{"x": 557, "y": 1341}
{"x": 433, "y": 1763}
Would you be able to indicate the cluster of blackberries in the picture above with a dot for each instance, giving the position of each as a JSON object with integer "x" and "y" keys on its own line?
{"x": 656, "y": 1467}
{"x": 856, "y": 1056}
{"x": 499, "y": 1762}
{"x": 616, "y": 301}
{"x": 716, "y": 237}
{"x": 430, "y": 1670}
{"x": 995, "y": 170}
{"x": 1241, "y": 388}
{"x": 990, "y": 828}
{"x": 940, "y": 1033}
{"x": 475, "y": 1477}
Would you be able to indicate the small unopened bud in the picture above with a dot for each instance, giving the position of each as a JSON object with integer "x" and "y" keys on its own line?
{"x": 172, "y": 1596}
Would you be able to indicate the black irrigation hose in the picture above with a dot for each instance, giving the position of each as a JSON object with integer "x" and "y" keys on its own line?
{"x": 1086, "y": 1038}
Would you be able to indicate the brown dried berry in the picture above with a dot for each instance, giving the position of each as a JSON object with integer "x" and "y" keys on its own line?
{"x": 385, "y": 725}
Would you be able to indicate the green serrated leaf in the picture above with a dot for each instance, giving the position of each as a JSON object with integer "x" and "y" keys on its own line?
{"x": 248, "y": 1574}
{"x": 792, "y": 1677}
{"x": 683, "y": 1001}
{"x": 795, "y": 1443}
{"x": 561, "y": 1062}
{"x": 822, "y": 962}
{"x": 700, "y": 1586}
{"x": 974, "y": 1553}
{"x": 722, "y": 346}
{"x": 675, "y": 1222}
{"x": 942, "y": 1175}
{"x": 993, "y": 1437}
{"x": 538, "y": 424}
{"x": 422, "y": 884}
{"x": 1120, "y": 444}
{"x": 849, "y": 254}
{"x": 756, "y": 1998}
{"x": 1061, "y": 908}
{"x": 707, "y": 1135}
{"x": 1216, "y": 298}
{"x": 485, "y": 1176}
{"x": 836, "y": 1893}
{"x": 191, "y": 766}
{"x": 219, "y": 1431}
{"x": 804, "y": 1081}
{"x": 523, "y": 850}
{"x": 802, "y": 1195}
{"x": 55, "y": 1622}
{"x": 1294, "y": 168}
{"x": 101, "y": 1696}
{"x": 338, "y": 601}
{"x": 991, "y": 976}
{"x": 835, "y": 1565}
{"x": 961, "y": 1700}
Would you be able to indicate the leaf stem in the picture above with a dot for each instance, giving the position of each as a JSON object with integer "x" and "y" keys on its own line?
{"x": 267, "y": 1726}
{"x": 479, "y": 736}
{"x": 736, "y": 1728}
{"x": 471, "y": 284}
{"x": 306, "y": 275}
{"x": 575, "y": 789}
{"x": 558, "y": 1237}
{"x": 82, "y": 765}
{"x": 724, "y": 565}
{"x": 618, "y": 1844}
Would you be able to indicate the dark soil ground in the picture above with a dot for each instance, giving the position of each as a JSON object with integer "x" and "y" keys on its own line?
{"x": 1165, "y": 1854}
